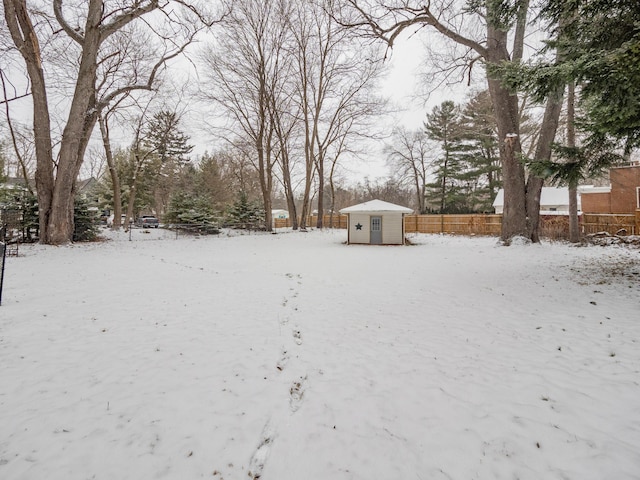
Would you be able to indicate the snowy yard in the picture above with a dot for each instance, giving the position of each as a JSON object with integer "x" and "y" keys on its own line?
{"x": 294, "y": 356}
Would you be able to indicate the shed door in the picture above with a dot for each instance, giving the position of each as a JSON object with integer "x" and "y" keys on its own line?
{"x": 376, "y": 230}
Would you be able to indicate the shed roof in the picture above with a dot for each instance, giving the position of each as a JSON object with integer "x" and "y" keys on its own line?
{"x": 376, "y": 206}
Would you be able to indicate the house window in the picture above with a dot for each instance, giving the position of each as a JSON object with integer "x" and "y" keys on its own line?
{"x": 637, "y": 197}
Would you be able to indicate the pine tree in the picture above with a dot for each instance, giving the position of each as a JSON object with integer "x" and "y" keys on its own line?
{"x": 482, "y": 156}
{"x": 166, "y": 140}
{"x": 20, "y": 211}
{"x": 85, "y": 222}
{"x": 246, "y": 214}
{"x": 170, "y": 148}
{"x": 3, "y": 161}
{"x": 189, "y": 211}
{"x": 442, "y": 126}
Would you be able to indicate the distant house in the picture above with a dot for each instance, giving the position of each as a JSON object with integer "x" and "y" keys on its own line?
{"x": 376, "y": 223}
{"x": 553, "y": 201}
{"x": 13, "y": 183}
{"x": 621, "y": 196}
{"x": 279, "y": 213}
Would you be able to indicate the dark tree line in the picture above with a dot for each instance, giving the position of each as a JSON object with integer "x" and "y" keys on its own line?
{"x": 452, "y": 163}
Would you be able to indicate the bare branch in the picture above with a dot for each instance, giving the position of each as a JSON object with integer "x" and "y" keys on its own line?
{"x": 139, "y": 9}
{"x": 15, "y": 96}
{"x": 413, "y": 16}
{"x": 74, "y": 33}
{"x": 150, "y": 80}
{"x": 13, "y": 134}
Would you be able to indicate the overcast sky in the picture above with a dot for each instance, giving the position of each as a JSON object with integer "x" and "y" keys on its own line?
{"x": 401, "y": 85}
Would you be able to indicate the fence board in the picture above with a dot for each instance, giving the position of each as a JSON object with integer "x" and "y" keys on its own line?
{"x": 551, "y": 226}
{"x": 611, "y": 223}
{"x": 475, "y": 224}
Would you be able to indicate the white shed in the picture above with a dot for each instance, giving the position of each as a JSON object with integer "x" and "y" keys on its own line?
{"x": 376, "y": 223}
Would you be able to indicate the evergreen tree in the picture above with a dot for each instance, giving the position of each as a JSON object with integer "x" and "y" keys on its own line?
{"x": 166, "y": 140}
{"x": 20, "y": 211}
{"x": 601, "y": 41}
{"x": 600, "y": 45}
{"x": 447, "y": 192}
{"x": 245, "y": 213}
{"x": 170, "y": 148}
{"x": 3, "y": 161}
{"x": 125, "y": 165}
{"x": 189, "y": 210}
{"x": 30, "y": 219}
{"x": 481, "y": 158}
{"x": 85, "y": 222}
{"x": 218, "y": 178}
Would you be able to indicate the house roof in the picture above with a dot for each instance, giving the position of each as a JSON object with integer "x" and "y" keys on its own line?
{"x": 376, "y": 206}
{"x": 548, "y": 196}
{"x": 587, "y": 189}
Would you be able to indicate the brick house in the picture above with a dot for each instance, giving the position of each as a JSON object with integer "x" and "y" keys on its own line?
{"x": 622, "y": 196}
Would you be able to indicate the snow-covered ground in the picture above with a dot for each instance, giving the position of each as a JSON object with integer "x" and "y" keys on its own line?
{"x": 295, "y": 356}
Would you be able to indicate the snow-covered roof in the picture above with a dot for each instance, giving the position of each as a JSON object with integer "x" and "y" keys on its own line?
{"x": 548, "y": 196}
{"x": 593, "y": 189}
{"x": 376, "y": 206}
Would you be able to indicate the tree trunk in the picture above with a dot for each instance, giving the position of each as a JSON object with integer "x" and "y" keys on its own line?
{"x": 543, "y": 152}
{"x": 266, "y": 179}
{"x": 26, "y": 40}
{"x": 77, "y": 131}
{"x": 133, "y": 189}
{"x": 332, "y": 189}
{"x": 113, "y": 172}
{"x": 320, "y": 168}
{"x": 505, "y": 104}
{"x": 288, "y": 190}
{"x": 574, "y": 225}
{"x": 309, "y": 172}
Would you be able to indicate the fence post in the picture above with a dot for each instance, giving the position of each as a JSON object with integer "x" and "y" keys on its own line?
{"x": 637, "y": 232}
{"x": 3, "y": 257}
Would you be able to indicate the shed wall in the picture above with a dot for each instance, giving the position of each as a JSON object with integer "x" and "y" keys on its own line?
{"x": 392, "y": 232}
{"x": 392, "y": 228}
{"x": 355, "y": 235}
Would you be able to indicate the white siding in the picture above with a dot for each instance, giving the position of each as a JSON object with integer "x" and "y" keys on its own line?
{"x": 392, "y": 233}
{"x": 392, "y": 228}
{"x": 355, "y": 235}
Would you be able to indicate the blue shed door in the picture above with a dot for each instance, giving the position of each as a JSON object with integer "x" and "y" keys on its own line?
{"x": 376, "y": 231}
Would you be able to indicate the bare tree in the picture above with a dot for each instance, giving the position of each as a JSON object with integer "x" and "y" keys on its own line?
{"x": 88, "y": 26}
{"x": 103, "y": 121}
{"x": 245, "y": 68}
{"x": 139, "y": 158}
{"x": 285, "y": 123}
{"x": 409, "y": 155}
{"x": 21, "y": 141}
{"x": 336, "y": 71}
{"x": 460, "y": 25}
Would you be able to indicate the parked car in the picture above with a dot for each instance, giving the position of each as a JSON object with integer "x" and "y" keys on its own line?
{"x": 147, "y": 221}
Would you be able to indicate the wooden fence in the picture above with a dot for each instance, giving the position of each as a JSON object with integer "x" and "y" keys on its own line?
{"x": 612, "y": 223}
{"x": 551, "y": 226}
{"x": 328, "y": 221}
{"x": 474, "y": 224}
